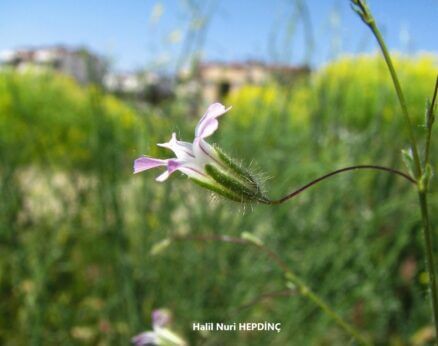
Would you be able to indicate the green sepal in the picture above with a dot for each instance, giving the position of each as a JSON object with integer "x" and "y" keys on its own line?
{"x": 238, "y": 169}
{"x": 361, "y": 8}
{"x": 218, "y": 190}
{"x": 233, "y": 184}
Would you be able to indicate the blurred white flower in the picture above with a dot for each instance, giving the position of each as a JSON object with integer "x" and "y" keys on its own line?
{"x": 160, "y": 335}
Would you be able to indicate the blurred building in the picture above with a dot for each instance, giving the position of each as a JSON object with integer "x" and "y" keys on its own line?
{"x": 143, "y": 86}
{"x": 83, "y": 65}
{"x": 216, "y": 80}
{"x": 125, "y": 83}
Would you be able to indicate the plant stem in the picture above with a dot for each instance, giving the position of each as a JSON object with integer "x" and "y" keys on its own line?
{"x": 345, "y": 169}
{"x": 290, "y": 275}
{"x": 428, "y": 236}
{"x": 429, "y": 122}
{"x": 430, "y": 260}
{"x": 400, "y": 96}
{"x": 307, "y": 292}
{"x": 268, "y": 295}
{"x": 367, "y": 17}
{"x": 364, "y": 12}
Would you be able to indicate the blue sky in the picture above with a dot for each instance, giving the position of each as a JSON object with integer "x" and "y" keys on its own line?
{"x": 239, "y": 30}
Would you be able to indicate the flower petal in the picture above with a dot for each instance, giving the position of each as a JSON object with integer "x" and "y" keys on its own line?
{"x": 204, "y": 153}
{"x": 163, "y": 177}
{"x": 182, "y": 150}
{"x": 167, "y": 337}
{"x": 172, "y": 166}
{"x": 208, "y": 123}
{"x": 144, "y": 163}
{"x": 189, "y": 168}
{"x": 146, "y": 338}
{"x": 160, "y": 318}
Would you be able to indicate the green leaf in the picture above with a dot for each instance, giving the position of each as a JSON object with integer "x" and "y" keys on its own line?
{"x": 408, "y": 160}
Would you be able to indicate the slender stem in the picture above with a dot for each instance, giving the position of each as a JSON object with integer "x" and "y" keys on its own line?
{"x": 290, "y": 275}
{"x": 364, "y": 12}
{"x": 346, "y": 169}
{"x": 429, "y": 122}
{"x": 307, "y": 292}
{"x": 400, "y": 96}
{"x": 428, "y": 236}
{"x": 430, "y": 260}
{"x": 369, "y": 20}
{"x": 268, "y": 295}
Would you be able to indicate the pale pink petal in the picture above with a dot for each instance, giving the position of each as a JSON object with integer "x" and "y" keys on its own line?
{"x": 163, "y": 177}
{"x": 208, "y": 123}
{"x": 182, "y": 150}
{"x": 160, "y": 318}
{"x": 204, "y": 153}
{"x": 172, "y": 166}
{"x": 194, "y": 172}
{"x": 144, "y": 163}
{"x": 190, "y": 168}
{"x": 146, "y": 338}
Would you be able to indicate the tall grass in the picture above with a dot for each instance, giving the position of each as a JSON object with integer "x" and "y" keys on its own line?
{"x": 76, "y": 228}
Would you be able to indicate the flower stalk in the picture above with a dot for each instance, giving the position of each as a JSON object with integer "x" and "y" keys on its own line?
{"x": 422, "y": 172}
{"x": 338, "y": 171}
{"x": 362, "y": 9}
{"x": 423, "y": 189}
{"x": 430, "y": 119}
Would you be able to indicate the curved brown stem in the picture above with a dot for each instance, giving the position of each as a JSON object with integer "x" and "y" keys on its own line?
{"x": 345, "y": 169}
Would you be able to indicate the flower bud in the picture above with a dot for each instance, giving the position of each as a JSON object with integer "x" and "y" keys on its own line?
{"x": 232, "y": 180}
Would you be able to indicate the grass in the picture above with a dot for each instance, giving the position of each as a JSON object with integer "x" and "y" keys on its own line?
{"x": 76, "y": 227}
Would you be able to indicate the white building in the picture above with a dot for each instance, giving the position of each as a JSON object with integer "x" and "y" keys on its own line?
{"x": 144, "y": 85}
{"x": 218, "y": 79}
{"x": 81, "y": 64}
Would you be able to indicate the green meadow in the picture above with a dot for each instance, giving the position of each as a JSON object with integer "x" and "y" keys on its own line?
{"x": 79, "y": 260}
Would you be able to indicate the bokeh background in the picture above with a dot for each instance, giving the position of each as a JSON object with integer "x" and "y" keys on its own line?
{"x": 86, "y": 87}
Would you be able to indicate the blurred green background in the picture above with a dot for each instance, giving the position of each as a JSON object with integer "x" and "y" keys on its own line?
{"x": 77, "y": 227}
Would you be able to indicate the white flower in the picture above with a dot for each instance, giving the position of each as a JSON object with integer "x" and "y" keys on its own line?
{"x": 160, "y": 335}
{"x": 206, "y": 165}
{"x": 191, "y": 158}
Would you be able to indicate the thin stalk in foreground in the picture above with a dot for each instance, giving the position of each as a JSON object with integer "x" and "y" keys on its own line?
{"x": 364, "y": 12}
{"x": 400, "y": 96}
{"x": 429, "y": 122}
{"x": 338, "y": 171}
{"x": 422, "y": 194}
{"x": 290, "y": 275}
{"x": 361, "y": 8}
{"x": 430, "y": 260}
